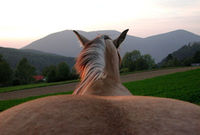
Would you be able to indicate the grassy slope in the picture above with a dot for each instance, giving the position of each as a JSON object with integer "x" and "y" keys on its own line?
{"x": 183, "y": 85}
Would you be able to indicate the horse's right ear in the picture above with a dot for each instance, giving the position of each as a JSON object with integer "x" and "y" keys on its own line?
{"x": 81, "y": 38}
{"x": 120, "y": 39}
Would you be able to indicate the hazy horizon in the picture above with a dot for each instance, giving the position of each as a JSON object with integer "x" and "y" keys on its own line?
{"x": 23, "y": 22}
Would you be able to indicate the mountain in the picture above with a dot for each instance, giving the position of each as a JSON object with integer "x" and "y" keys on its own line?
{"x": 158, "y": 46}
{"x": 36, "y": 58}
{"x": 185, "y": 55}
{"x": 187, "y": 51}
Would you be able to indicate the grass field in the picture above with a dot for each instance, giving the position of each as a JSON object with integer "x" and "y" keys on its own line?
{"x": 29, "y": 86}
{"x": 183, "y": 85}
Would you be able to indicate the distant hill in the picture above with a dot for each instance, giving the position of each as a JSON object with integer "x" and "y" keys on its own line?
{"x": 36, "y": 58}
{"x": 185, "y": 52}
{"x": 158, "y": 46}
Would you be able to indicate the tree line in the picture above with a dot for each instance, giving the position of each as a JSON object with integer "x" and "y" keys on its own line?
{"x": 133, "y": 61}
{"x": 24, "y": 72}
{"x": 172, "y": 61}
{"x": 185, "y": 56}
{"x": 61, "y": 72}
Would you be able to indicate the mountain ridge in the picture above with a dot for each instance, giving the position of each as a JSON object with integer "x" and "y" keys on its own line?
{"x": 184, "y": 54}
{"x": 159, "y": 46}
{"x": 36, "y": 58}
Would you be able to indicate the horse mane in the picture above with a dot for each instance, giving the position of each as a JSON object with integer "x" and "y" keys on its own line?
{"x": 90, "y": 63}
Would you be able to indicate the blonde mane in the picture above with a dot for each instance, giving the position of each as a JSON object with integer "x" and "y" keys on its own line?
{"x": 90, "y": 63}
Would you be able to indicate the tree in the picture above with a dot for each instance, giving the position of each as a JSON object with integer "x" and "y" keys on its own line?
{"x": 135, "y": 61}
{"x": 24, "y": 72}
{"x": 63, "y": 72}
{"x": 52, "y": 74}
{"x": 129, "y": 60}
{"x": 171, "y": 61}
{"x": 45, "y": 71}
{"x": 145, "y": 62}
{"x": 141, "y": 63}
{"x": 187, "y": 61}
{"x": 196, "y": 57}
{"x": 150, "y": 61}
{"x": 60, "y": 72}
{"x": 169, "y": 57}
{"x": 5, "y": 72}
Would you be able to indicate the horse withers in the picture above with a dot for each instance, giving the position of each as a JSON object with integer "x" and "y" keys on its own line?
{"x": 101, "y": 105}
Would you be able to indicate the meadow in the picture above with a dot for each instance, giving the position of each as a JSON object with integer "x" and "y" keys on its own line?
{"x": 182, "y": 85}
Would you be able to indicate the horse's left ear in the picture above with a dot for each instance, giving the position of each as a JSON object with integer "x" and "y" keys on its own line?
{"x": 120, "y": 39}
{"x": 81, "y": 38}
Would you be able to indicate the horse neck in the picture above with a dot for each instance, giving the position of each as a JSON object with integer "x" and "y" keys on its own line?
{"x": 109, "y": 84}
{"x": 111, "y": 63}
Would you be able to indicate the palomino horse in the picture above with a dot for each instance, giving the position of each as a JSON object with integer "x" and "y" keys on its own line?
{"x": 98, "y": 66}
{"x": 101, "y": 105}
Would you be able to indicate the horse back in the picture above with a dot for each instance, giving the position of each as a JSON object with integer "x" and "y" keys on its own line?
{"x": 101, "y": 115}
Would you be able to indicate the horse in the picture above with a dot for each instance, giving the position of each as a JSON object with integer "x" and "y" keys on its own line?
{"x": 101, "y": 105}
{"x": 98, "y": 66}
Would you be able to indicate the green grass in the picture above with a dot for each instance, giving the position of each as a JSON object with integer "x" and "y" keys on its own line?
{"x": 5, "y": 104}
{"x": 29, "y": 86}
{"x": 183, "y": 85}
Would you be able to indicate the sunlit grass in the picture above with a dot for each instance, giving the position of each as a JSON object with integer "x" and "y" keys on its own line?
{"x": 182, "y": 85}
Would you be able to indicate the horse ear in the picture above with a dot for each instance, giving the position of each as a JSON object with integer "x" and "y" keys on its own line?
{"x": 81, "y": 38}
{"x": 120, "y": 39}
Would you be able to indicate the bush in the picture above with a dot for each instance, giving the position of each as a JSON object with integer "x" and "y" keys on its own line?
{"x": 24, "y": 72}
{"x": 135, "y": 61}
{"x": 61, "y": 72}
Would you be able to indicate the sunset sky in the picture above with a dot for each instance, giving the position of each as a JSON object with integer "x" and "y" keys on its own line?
{"x": 23, "y": 21}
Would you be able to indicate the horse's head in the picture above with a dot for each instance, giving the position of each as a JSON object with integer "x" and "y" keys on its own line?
{"x": 99, "y": 58}
{"x": 109, "y": 46}
{"x": 85, "y": 42}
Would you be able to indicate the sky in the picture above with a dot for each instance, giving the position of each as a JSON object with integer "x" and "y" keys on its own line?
{"x": 24, "y": 21}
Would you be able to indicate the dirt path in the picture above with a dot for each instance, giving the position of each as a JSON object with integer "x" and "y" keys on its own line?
{"x": 71, "y": 86}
